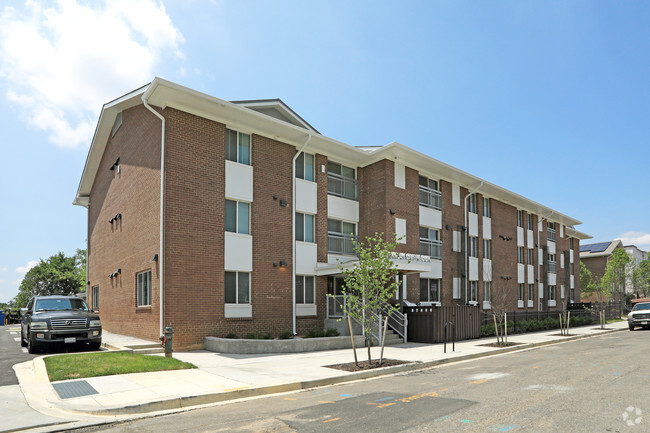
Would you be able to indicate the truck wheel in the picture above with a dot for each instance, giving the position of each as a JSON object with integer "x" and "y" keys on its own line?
{"x": 95, "y": 345}
{"x": 23, "y": 343}
{"x": 631, "y": 327}
{"x": 31, "y": 344}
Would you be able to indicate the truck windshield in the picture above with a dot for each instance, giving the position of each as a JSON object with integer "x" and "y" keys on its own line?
{"x": 60, "y": 304}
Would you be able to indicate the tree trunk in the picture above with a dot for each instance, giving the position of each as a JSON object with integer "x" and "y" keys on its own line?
{"x": 383, "y": 342}
{"x": 354, "y": 349}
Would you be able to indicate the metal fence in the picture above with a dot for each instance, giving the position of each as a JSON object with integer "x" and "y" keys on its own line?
{"x": 612, "y": 311}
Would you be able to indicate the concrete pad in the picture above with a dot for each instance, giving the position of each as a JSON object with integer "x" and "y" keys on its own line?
{"x": 16, "y": 414}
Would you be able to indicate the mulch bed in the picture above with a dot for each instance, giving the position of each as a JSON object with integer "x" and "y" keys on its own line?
{"x": 363, "y": 365}
{"x": 563, "y": 335}
{"x": 508, "y": 344}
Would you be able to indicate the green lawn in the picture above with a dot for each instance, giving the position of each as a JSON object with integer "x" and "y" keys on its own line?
{"x": 75, "y": 366}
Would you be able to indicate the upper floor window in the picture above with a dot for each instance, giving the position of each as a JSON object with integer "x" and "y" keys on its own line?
{"x": 520, "y": 254}
{"x": 143, "y": 289}
{"x": 552, "y": 264}
{"x": 95, "y": 294}
{"x": 341, "y": 237}
{"x": 237, "y": 217}
{"x": 429, "y": 290}
{"x": 531, "y": 256}
{"x": 551, "y": 293}
{"x": 473, "y": 291}
{"x": 520, "y": 292}
{"x": 520, "y": 218}
{"x": 305, "y": 166}
{"x": 531, "y": 292}
{"x": 304, "y": 227}
{"x": 430, "y": 243}
{"x": 487, "y": 249}
{"x": 529, "y": 217}
{"x": 473, "y": 246}
{"x": 487, "y": 207}
{"x": 571, "y": 243}
{"x": 430, "y": 195}
{"x": 550, "y": 231}
{"x": 238, "y": 147}
{"x": 341, "y": 181}
{"x": 471, "y": 203}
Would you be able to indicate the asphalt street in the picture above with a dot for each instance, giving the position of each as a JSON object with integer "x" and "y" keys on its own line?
{"x": 592, "y": 385}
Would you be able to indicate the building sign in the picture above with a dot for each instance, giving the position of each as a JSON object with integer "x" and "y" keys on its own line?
{"x": 411, "y": 257}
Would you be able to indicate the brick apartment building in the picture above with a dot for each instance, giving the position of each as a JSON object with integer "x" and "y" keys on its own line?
{"x": 257, "y": 209}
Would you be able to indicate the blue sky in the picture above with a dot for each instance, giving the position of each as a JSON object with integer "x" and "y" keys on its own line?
{"x": 550, "y": 99}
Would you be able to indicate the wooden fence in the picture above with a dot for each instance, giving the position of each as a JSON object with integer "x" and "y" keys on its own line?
{"x": 427, "y": 324}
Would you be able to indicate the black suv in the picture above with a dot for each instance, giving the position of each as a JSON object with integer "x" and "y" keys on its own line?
{"x": 59, "y": 320}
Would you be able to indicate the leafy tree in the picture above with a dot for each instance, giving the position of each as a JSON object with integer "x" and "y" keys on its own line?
{"x": 616, "y": 273}
{"x": 58, "y": 275}
{"x": 370, "y": 284}
{"x": 641, "y": 277}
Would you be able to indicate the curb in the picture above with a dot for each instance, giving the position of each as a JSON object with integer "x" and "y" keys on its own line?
{"x": 190, "y": 401}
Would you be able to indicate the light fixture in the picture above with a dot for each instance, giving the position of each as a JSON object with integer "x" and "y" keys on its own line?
{"x": 119, "y": 271}
{"x": 283, "y": 264}
{"x": 392, "y": 212}
{"x": 283, "y": 203}
{"x": 110, "y": 275}
{"x": 154, "y": 258}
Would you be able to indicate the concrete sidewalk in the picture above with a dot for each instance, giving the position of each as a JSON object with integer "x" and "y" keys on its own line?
{"x": 221, "y": 377}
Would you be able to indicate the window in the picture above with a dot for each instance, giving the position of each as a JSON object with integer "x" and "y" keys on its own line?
{"x": 238, "y": 288}
{"x": 238, "y": 147}
{"x": 305, "y": 289}
{"x": 341, "y": 181}
{"x": 520, "y": 292}
{"x": 473, "y": 246}
{"x": 487, "y": 207}
{"x": 487, "y": 249}
{"x": 531, "y": 292}
{"x": 530, "y": 221}
{"x": 430, "y": 195}
{"x": 95, "y": 295}
{"x": 305, "y": 166}
{"x": 550, "y": 231}
{"x": 520, "y": 218}
{"x": 487, "y": 291}
{"x": 143, "y": 289}
{"x": 531, "y": 256}
{"x": 520, "y": 254}
{"x": 471, "y": 203}
{"x": 473, "y": 291}
{"x": 237, "y": 217}
{"x": 551, "y": 293}
{"x": 429, "y": 290}
{"x": 571, "y": 243}
{"x": 430, "y": 243}
{"x": 341, "y": 236}
{"x": 552, "y": 265}
{"x": 571, "y": 269}
{"x": 571, "y": 294}
{"x": 304, "y": 227}
{"x": 457, "y": 242}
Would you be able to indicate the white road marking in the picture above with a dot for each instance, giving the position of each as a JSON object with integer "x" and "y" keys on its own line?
{"x": 13, "y": 332}
{"x": 16, "y": 338}
{"x": 24, "y": 350}
{"x": 487, "y": 376}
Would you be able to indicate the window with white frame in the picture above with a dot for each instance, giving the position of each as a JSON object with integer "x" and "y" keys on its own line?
{"x": 487, "y": 249}
{"x": 487, "y": 291}
{"x": 304, "y": 227}
{"x": 531, "y": 256}
{"x": 520, "y": 218}
{"x": 552, "y": 264}
{"x": 471, "y": 203}
{"x": 473, "y": 291}
{"x": 429, "y": 193}
{"x": 341, "y": 236}
{"x": 95, "y": 295}
{"x": 143, "y": 289}
{"x": 570, "y": 243}
{"x": 550, "y": 231}
{"x": 473, "y": 246}
{"x": 237, "y": 217}
{"x": 429, "y": 290}
{"x": 520, "y": 292}
{"x": 487, "y": 207}
{"x": 305, "y": 166}
{"x": 520, "y": 254}
{"x": 238, "y": 147}
{"x": 238, "y": 288}
{"x": 305, "y": 289}
{"x": 531, "y": 292}
{"x": 341, "y": 181}
{"x": 430, "y": 243}
{"x": 551, "y": 293}
{"x": 571, "y": 294}
{"x": 529, "y": 217}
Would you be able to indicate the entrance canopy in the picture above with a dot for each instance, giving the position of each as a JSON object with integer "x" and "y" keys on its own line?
{"x": 405, "y": 264}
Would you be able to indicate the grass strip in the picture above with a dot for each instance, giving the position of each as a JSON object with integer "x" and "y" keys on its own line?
{"x": 75, "y": 366}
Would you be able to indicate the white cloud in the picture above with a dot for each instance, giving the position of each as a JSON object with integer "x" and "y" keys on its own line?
{"x": 4, "y": 269}
{"x": 640, "y": 239}
{"x": 61, "y": 61}
{"x": 25, "y": 269}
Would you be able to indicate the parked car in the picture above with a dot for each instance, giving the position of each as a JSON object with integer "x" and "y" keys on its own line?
{"x": 639, "y": 316}
{"x": 50, "y": 320}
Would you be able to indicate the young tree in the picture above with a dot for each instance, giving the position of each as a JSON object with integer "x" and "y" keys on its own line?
{"x": 58, "y": 275}
{"x": 641, "y": 278}
{"x": 616, "y": 273}
{"x": 499, "y": 305}
{"x": 370, "y": 284}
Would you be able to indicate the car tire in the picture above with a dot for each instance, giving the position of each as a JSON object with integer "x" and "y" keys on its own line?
{"x": 95, "y": 345}
{"x": 23, "y": 343}
{"x": 31, "y": 344}
{"x": 631, "y": 327}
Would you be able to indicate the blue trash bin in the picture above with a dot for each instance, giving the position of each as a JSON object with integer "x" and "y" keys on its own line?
{"x": 2, "y": 318}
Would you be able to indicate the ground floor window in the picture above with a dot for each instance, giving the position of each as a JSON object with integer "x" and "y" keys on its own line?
{"x": 531, "y": 292}
{"x": 487, "y": 291}
{"x": 473, "y": 291}
{"x": 520, "y": 292}
{"x": 143, "y": 289}
{"x": 305, "y": 288}
{"x": 95, "y": 296}
{"x": 551, "y": 293}
{"x": 429, "y": 290}
{"x": 238, "y": 287}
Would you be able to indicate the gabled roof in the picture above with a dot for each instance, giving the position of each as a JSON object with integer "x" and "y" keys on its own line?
{"x": 599, "y": 249}
{"x": 274, "y": 119}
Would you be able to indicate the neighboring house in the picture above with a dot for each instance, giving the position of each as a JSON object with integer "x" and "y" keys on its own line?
{"x": 258, "y": 209}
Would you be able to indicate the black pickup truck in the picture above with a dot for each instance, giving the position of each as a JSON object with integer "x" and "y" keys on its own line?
{"x": 59, "y": 320}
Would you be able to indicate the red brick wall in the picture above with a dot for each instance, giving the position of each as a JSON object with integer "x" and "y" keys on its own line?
{"x": 130, "y": 242}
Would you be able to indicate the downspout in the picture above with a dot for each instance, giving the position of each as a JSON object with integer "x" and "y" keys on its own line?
{"x": 539, "y": 225}
{"x": 162, "y": 202}
{"x": 293, "y": 230}
{"x": 467, "y": 241}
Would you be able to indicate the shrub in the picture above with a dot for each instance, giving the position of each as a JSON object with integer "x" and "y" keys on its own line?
{"x": 285, "y": 335}
{"x": 258, "y": 335}
{"x": 332, "y": 332}
{"x": 231, "y": 335}
{"x": 315, "y": 333}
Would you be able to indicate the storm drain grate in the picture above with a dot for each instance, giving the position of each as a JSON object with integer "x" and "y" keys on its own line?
{"x": 78, "y": 388}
